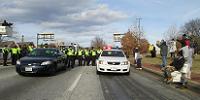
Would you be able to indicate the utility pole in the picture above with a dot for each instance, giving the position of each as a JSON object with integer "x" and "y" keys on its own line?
{"x": 139, "y": 29}
{"x": 22, "y": 38}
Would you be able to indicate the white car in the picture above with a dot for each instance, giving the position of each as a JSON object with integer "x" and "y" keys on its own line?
{"x": 114, "y": 61}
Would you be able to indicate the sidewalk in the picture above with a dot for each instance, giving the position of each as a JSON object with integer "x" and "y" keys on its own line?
{"x": 156, "y": 69}
{"x": 194, "y": 83}
{"x": 6, "y": 67}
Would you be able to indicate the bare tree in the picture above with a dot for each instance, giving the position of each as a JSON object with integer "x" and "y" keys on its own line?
{"x": 98, "y": 42}
{"x": 172, "y": 33}
{"x": 192, "y": 27}
{"x": 137, "y": 32}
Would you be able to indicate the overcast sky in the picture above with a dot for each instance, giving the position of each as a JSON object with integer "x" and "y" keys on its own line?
{"x": 80, "y": 21}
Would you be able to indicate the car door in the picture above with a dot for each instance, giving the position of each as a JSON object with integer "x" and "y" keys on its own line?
{"x": 60, "y": 61}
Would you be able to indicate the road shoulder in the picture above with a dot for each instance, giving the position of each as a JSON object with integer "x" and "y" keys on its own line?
{"x": 192, "y": 85}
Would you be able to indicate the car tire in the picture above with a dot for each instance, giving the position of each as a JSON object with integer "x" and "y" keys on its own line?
{"x": 21, "y": 74}
{"x": 98, "y": 72}
{"x": 53, "y": 70}
{"x": 64, "y": 67}
{"x": 127, "y": 73}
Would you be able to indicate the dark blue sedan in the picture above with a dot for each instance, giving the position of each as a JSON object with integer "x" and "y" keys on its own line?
{"x": 41, "y": 60}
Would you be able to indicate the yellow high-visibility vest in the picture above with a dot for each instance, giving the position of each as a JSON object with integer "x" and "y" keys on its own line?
{"x": 14, "y": 50}
{"x": 94, "y": 53}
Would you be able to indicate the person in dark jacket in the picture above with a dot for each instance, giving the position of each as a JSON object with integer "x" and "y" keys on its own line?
{"x": 24, "y": 51}
{"x": 5, "y": 55}
{"x": 163, "y": 52}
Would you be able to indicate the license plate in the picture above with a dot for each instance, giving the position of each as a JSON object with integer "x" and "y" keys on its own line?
{"x": 114, "y": 69}
{"x": 28, "y": 69}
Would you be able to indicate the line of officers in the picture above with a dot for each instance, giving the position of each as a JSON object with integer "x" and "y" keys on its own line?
{"x": 16, "y": 53}
{"x": 85, "y": 57}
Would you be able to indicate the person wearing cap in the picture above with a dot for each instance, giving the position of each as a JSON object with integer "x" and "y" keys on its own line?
{"x": 163, "y": 52}
{"x": 14, "y": 54}
{"x": 80, "y": 56}
{"x": 86, "y": 57}
{"x": 93, "y": 56}
{"x": 70, "y": 54}
{"x": 138, "y": 58}
{"x": 185, "y": 42}
{"x": 5, "y": 55}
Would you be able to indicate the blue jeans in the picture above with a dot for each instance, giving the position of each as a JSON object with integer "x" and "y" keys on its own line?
{"x": 164, "y": 61}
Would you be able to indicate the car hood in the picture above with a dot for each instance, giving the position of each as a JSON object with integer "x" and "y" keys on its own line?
{"x": 35, "y": 59}
{"x": 113, "y": 59}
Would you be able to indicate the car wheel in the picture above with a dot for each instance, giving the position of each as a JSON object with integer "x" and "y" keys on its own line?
{"x": 98, "y": 72}
{"x": 53, "y": 70}
{"x": 64, "y": 67}
{"x": 127, "y": 73}
{"x": 21, "y": 74}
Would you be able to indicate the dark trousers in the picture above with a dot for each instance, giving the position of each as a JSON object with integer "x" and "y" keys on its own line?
{"x": 71, "y": 61}
{"x": 87, "y": 60}
{"x": 93, "y": 58}
{"x": 66, "y": 61}
{"x": 14, "y": 59}
{"x": 80, "y": 60}
{"x": 139, "y": 63}
{"x": 5, "y": 57}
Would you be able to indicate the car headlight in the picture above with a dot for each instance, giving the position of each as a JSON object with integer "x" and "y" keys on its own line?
{"x": 125, "y": 63}
{"x": 100, "y": 61}
{"x": 18, "y": 62}
{"x": 46, "y": 63}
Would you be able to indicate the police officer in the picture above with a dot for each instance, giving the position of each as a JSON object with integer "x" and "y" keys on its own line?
{"x": 93, "y": 56}
{"x": 87, "y": 57}
{"x": 80, "y": 57}
{"x": 5, "y": 55}
{"x": 19, "y": 52}
{"x": 74, "y": 56}
{"x": 66, "y": 57}
{"x": 24, "y": 51}
{"x": 99, "y": 52}
{"x": 70, "y": 54}
{"x": 14, "y": 54}
{"x": 30, "y": 48}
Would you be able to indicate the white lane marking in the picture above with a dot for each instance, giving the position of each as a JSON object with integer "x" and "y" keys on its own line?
{"x": 75, "y": 83}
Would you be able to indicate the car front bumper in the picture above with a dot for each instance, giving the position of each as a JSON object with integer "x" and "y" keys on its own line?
{"x": 33, "y": 69}
{"x": 113, "y": 68}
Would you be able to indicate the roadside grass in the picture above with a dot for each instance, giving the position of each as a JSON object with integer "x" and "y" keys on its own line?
{"x": 196, "y": 64}
{"x": 157, "y": 61}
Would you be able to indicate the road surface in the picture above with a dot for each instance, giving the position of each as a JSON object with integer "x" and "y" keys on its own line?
{"x": 82, "y": 83}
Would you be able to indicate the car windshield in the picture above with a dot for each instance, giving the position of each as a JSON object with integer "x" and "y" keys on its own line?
{"x": 112, "y": 53}
{"x": 43, "y": 53}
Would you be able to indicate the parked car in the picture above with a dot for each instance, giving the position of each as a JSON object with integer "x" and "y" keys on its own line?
{"x": 41, "y": 60}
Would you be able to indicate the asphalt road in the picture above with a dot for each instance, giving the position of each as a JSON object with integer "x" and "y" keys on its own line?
{"x": 82, "y": 83}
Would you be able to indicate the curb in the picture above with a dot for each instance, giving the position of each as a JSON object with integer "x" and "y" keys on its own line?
{"x": 6, "y": 67}
{"x": 193, "y": 86}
